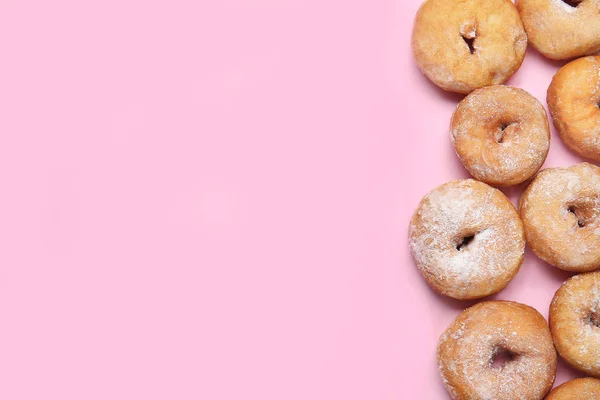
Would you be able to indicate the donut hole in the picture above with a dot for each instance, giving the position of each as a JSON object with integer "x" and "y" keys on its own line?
{"x": 470, "y": 43}
{"x": 573, "y": 211}
{"x": 464, "y": 242}
{"x": 585, "y": 212}
{"x": 499, "y": 136}
{"x": 468, "y": 32}
{"x": 593, "y": 318}
{"x": 501, "y": 357}
{"x": 572, "y": 3}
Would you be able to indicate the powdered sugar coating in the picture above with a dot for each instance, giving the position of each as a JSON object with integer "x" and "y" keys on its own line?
{"x": 561, "y": 215}
{"x": 500, "y": 134}
{"x": 467, "y": 348}
{"x": 464, "y": 209}
{"x": 575, "y": 321}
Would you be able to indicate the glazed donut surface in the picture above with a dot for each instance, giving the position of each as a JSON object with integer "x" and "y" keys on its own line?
{"x": 575, "y": 322}
{"x": 574, "y": 102}
{"x": 500, "y": 134}
{"x": 562, "y": 29}
{"x": 561, "y": 215}
{"x": 462, "y": 45}
{"x": 467, "y": 350}
{"x": 582, "y": 388}
{"x": 467, "y": 239}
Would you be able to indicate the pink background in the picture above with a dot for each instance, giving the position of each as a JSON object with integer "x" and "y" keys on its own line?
{"x": 209, "y": 200}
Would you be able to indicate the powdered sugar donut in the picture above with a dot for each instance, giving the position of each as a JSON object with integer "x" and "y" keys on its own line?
{"x": 575, "y": 322}
{"x": 562, "y": 29}
{"x": 469, "y": 349}
{"x": 467, "y": 239}
{"x": 582, "y": 388}
{"x": 574, "y": 101}
{"x": 462, "y": 45}
{"x": 500, "y": 134}
{"x": 561, "y": 214}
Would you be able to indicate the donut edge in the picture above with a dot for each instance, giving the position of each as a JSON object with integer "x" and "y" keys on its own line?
{"x": 553, "y": 310}
{"x": 553, "y": 98}
{"x": 567, "y": 387}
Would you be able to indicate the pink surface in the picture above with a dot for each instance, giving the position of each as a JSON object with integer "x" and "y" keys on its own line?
{"x": 209, "y": 200}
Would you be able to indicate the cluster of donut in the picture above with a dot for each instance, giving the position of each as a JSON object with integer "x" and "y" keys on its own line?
{"x": 467, "y": 238}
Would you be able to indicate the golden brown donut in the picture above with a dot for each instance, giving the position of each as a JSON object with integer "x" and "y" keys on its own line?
{"x": 575, "y": 322}
{"x": 468, "y": 350}
{"x": 500, "y": 134}
{"x": 561, "y": 214}
{"x": 462, "y": 45}
{"x": 577, "y": 389}
{"x": 562, "y": 29}
{"x": 573, "y": 100}
{"x": 466, "y": 239}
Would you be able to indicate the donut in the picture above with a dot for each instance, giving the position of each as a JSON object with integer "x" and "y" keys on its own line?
{"x": 575, "y": 322}
{"x": 582, "y": 388}
{"x": 500, "y": 134}
{"x": 463, "y": 45}
{"x": 497, "y": 350}
{"x": 561, "y": 215}
{"x": 574, "y": 101}
{"x": 562, "y": 29}
{"x": 466, "y": 239}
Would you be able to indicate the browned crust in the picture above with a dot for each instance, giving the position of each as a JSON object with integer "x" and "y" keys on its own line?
{"x": 573, "y": 97}
{"x": 551, "y": 230}
{"x": 510, "y": 324}
{"x": 559, "y": 31}
{"x": 582, "y": 388}
{"x": 443, "y": 56}
{"x": 501, "y": 134}
{"x": 577, "y": 342}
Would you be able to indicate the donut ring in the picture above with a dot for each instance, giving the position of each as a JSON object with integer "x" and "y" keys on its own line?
{"x": 466, "y": 239}
{"x": 575, "y": 322}
{"x": 582, "y": 388}
{"x": 573, "y": 100}
{"x": 468, "y": 353}
{"x": 561, "y": 214}
{"x": 500, "y": 134}
{"x": 562, "y": 29}
{"x": 462, "y": 45}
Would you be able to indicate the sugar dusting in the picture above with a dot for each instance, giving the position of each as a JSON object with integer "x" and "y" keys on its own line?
{"x": 545, "y": 210}
{"x": 467, "y": 349}
{"x": 457, "y": 210}
{"x": 541, "y": 18}
{"x": 572, "y": 312}
{"x": 476, "y": 128}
